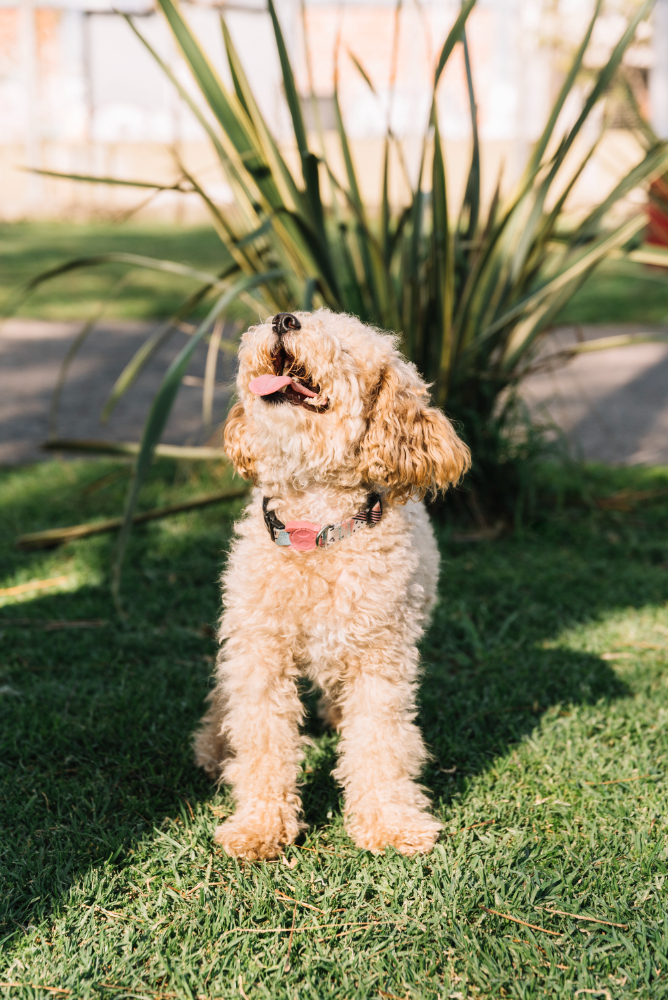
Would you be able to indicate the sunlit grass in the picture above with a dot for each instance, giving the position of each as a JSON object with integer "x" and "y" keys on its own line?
{"x": 28, "y": 248}
{"x": 545, "y": 704}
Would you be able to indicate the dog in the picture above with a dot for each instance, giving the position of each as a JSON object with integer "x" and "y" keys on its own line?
{"x": 331, "y": 577}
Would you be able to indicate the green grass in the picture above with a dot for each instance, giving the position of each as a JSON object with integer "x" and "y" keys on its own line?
{"x": 618, "y": 292}
{"x": 545, "y": 703}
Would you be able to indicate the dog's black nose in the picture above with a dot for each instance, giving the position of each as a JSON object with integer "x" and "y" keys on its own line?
{"x": 282, "y": 322}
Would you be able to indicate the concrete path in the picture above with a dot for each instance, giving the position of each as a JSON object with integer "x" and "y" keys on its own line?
{"x": 612, "y": 405}
{"x": 30, "y": 356}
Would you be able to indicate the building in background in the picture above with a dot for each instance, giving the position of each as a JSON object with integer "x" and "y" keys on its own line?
{"x": 79, "y": 93}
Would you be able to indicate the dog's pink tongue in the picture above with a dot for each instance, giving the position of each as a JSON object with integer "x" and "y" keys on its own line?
{"x": 264, "y": 385}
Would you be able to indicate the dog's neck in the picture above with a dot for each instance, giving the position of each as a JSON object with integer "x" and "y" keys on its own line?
{"x": 318, "y": 502}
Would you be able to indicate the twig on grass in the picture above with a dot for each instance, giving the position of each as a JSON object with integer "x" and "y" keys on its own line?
{"x": 286, "y": 967}
{"x": 58, "y": 536}
{"x": 618, "y": 781}
{"x": 290, "y": 899}
{"x": 128, "y": 989}
{"x": 471, "y": 827}
{"x": 111, "y": 913}
{"x": 516, "y": 920}
{"x": 361, "y": 926}
{"x": 133, "y": 447}
{"x": 37, "y": 986}
{"x": 241, "y": 987}
{"x": 306, "y": 927}
{"x": 145, "y": 992}
{"x": 579, "y": 916}
{"x": 53, "y": 624}
{"x": 25, "y": 588}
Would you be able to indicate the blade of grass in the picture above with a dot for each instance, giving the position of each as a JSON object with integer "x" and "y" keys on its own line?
{"x": 443, "y": 273}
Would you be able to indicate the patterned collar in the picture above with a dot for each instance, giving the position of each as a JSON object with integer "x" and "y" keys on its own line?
{"x": 305, "y": 535}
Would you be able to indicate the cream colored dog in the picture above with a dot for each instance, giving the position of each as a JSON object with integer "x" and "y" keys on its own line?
{"x": 332, "y": 576}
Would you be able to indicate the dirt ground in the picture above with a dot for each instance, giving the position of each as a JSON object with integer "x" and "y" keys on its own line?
{"x": 612, "y": 405}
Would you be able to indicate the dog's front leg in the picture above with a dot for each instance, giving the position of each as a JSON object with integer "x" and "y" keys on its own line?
{"x": 381, "y": 755}
{"x": 261, "y": 723}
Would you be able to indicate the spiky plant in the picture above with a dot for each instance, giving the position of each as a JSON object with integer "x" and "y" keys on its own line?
{"x": 471, "y": 293}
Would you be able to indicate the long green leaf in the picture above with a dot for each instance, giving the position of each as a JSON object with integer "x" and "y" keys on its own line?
{"x": 443, "y": 272}
{"x": 291, "y": 243}
{"x": 96, "y": 260}
{"x": 650, "y": 167}
{"x": 362, "y": 228}
{"x": 151, "y": 346}
{"x": 603, "y": 80}
{"x": 471, "y": 203}
{"x": 291, "y": 95}
{"x": 228, "y": 156}
{"x": 226, "y": 107}
{"x": 73, "y": 350}
{"x": 454, "y": 36}
{"x": 93, "y": 179}
{"x": 595, "y": 253}
{"x": 161, "y": 408}
{"x": 566, "y": 90}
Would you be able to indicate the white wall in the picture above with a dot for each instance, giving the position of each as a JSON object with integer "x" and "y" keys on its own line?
{"x": 80, "y": 93}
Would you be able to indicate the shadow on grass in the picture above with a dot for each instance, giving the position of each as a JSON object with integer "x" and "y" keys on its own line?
{"x": 95, "y": 723}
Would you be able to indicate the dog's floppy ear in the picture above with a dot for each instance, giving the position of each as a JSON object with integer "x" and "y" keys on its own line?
{"x": 409, "y": 447}
{"x": 237, "y": 443}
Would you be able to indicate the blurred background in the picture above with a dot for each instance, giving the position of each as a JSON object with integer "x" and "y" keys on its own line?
{"x": 81, "y": 95}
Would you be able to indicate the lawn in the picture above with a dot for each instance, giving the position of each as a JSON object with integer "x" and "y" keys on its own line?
{"x": 29, "y": 248}
{"x": 544, "y": 701}
{"x": 617, "y": 293}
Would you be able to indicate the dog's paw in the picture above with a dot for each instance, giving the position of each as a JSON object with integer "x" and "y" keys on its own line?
{"x": 413, "y": 835}
{"x": 255, "y": 839}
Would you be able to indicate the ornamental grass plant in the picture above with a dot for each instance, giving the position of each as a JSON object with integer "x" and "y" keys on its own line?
{"x": 471, "y": 291}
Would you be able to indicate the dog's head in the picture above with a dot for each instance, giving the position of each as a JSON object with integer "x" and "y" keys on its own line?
{"x": 324, "y": 398}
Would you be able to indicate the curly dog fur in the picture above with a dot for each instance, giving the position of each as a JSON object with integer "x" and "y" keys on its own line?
{"x": 347, "y": 617}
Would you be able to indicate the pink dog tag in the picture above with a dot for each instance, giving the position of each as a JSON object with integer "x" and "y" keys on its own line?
{"x": 302, "y": 534}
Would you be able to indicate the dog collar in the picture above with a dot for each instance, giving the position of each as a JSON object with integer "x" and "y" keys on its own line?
{"x": 304, "y": 535}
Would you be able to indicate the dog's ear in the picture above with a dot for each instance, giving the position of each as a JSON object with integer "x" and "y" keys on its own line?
{"x": 409, "y": 447}
{"x": 237, "y": 443}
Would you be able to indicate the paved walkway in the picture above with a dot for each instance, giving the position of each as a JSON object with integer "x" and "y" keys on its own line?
{"x": 612, "y": 405}
{"x": 30, "y": 356}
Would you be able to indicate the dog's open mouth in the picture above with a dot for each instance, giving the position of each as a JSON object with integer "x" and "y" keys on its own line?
{"x": 290, "y": 383}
